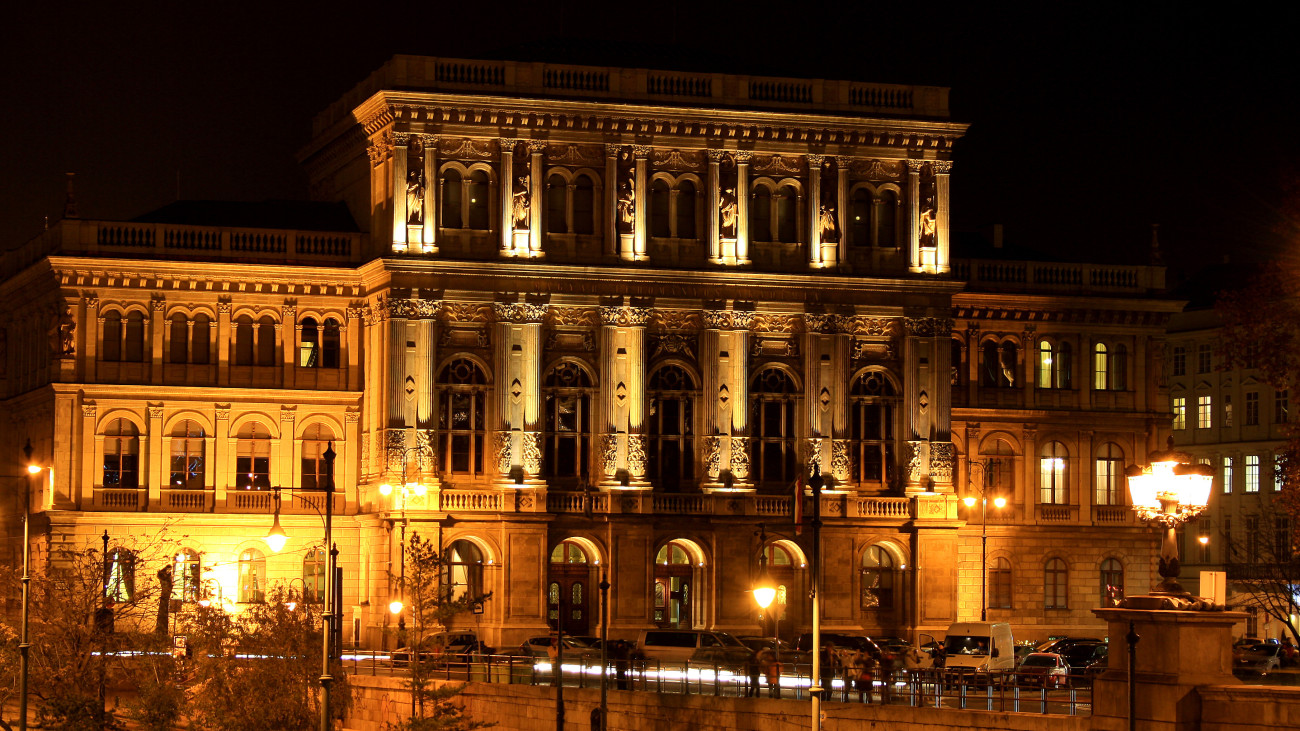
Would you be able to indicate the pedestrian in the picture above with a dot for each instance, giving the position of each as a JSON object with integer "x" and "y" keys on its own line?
{"x": 866, "y": 676}
{"x": 829, "y": 666}
{"x": 887, "y": 667}
{"x": 752, "y": 668}
{"x": 621, "y": 652}
{"x": 772, "y": 670}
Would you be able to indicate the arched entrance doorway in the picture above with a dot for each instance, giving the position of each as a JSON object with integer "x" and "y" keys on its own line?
{"x": 567, "y": 590}
{"x": 674, "y": 593}
{"x": 777, "y": 620}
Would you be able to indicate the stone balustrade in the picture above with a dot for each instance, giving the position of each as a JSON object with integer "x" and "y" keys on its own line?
{"x": 999, "y": 275}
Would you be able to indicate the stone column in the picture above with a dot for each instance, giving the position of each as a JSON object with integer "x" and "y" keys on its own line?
{"x": 610, "y": 219}
{"x": 156, "y": 457}
{"x": 641, "y": 153}
{"x": 842, "y": 207}
{"x": 973, "y": 356}
{"x": 399, "y": 191}
{"x": 942, "y": 169}
{"x": 224, "y": 343}
{"x": 518, "y": 366}
{"x": 926, "y": 399}
{"x": 622, "y": 397}
{"x": 506, "y": 178}
{"x": 156, "y": 339}
{"x": 1085, "y": 476}
{"x": 1025, "y": 368}
{"x": 431, "y": 189}
{"x": 291, "y": 332}
{"x": 814, "y": 230}
{"x": 712, "y": 227}
{"x": 396, "y": 365}
{"x": 90, "y": 354}
{"x": 826, "y": 365}
{"x": 417, "y": 316}
{"x": 914, "y": 215}
{"x": 536, "y": 200}
{"x": 742, "y": 206}
{"x": 354, "y": 328}
{"x": 725, "y": 401}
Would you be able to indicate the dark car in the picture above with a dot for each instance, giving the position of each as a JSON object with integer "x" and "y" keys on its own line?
{"x": 442, "y": 647}
{"x": 1259, "y": 658}
{"x": 1086, "y": 659}
{"x": 1062, "y": 644}
{"x": 1044, "y": 670}
{"x": 786, "y": 651}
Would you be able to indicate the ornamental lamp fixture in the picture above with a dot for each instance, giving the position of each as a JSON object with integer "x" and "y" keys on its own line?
{"x": 1168, "y": 492}
{"x": 276, "y": 537}
{"x": 764, "y": 588}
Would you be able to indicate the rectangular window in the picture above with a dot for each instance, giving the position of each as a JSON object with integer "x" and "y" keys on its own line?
{"x": 1252, "y": 473}
{"x": 1180, "y": 412}
{"x": 1180, "y": 361}
{"x": 1252, "y": 408}
{"x": 1227, "y": 475}
{"x": 1252, "y": 539}
{"x": 1281, "y": 539}
{"x": 1109, "y": 471}
{"x": 1281, "y": 407}
{"x": 1227, "y": 409}
{"x": 1277, "y": 473}
{"x": 1204, "y": 412}
{"x": 1229, "y": 550}
{"x": 1204, "y": 359}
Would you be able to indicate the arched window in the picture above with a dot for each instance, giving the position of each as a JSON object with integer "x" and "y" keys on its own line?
{"x": 1000, "y": 583}
{"x": 772, "y": 418}
{"x": 566, "y": 594}
{"x": 1053, "y": 474}
{"x": 1055, "y": 585}
{"x": 1112, "y": 582}
{"x": 685, "y": 210}
{"x": 877, "y": 580}
{"x": 671, "y": 452}
{"x": 568, "y": 552}
{"x": 329, "y": 354}
{"x": 584, "y": 205}
{"x": 266, "y": 341}
{"x": 451, "y": 199}
{"x": 252, "y": 576}
{"x": 567, "y": 392}
{"x": 887, "y": 223}
{"x": 480, "y": 191}
{"x": 760, "y": 215}
{"x": 243, "y": 340}
{"x": 872, "y": 405}
{"x": 119, "y": 582}
{"x": 187, "y": 575}
{"x": 1100, "y": 367}
{"x": 787, "y": 214}
{"x": 998, "y": 364}
{"x": 1001, "y": 458}
{"x": 200, "y": 339}
{"x": 780, "y": 568}
{"x": 180, "y": 339}
{"x": 315, "y": 442}
{"x": 464, "y": 570}
{"x": 557, "y": 194}
{"x": 1110, "y": 473}
{"x": 309, "y": 344}
{"x": 313, "y": 576}
{"x": 253, "y": 458}
{"x": 121, "y": 454}
{"x": 659, "y": 209}
{"x": 860, "y": 218}
{"x": 673, "y": 577}
{"x": 111, "y": 350}
{"x": 133, "y": 348}
{"x": 1054, "y": 365}
{"x": 1110, "y": 367}
{"x": 187, "y": 456}
{"x": 462, "y": 417}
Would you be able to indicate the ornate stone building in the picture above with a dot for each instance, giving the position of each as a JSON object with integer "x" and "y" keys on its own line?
{"x": 598, "y": 321}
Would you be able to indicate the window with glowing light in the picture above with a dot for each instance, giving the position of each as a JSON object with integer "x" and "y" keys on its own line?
{"x": 119, "y": 583}
{"x": 1227, "y": 475}
{"x": 1204, "y": 412}
{"x": 1180, "y": 412}
{"x": 313, "y": 576}
{"x": 187, "y": 572}
{"x": 1053, "y": 474}
{"x": 462, "y": 417}
{"x": 1109, "y": 474}
{"x": 252, "y": 576}
{"x": 1054, "y": 365}
{"x": 873, "y": 404}
{"x": 674, "y": 574}
{"x": 877, "y": 575}
{"x": 463, "y": 571}
{"x": 1277, "y": 473}
{"x": 1252, "y": 473}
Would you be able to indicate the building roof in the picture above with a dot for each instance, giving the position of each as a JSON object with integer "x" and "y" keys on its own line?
{"x": 287, "y": 215}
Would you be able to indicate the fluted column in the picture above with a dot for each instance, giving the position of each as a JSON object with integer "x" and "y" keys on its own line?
{"x": 742, "y": 207}
{"x": 914, "y": 215}
{"x": 623, "y": 400}
{"x": 431, "y": 188}
{"x": 813, "y": 232}
{"x": 292, "y": 336}
{"x": 419, "y": 325}
{"x": 536, "y": 206}
{"x": 842, "y": 205}
{"x": 712, "y": 228}
{"x": 518, "y": 364}
{"x": 641, "y": 153}
{"x": 396, "y": 365}
{"x": 506, "y": 177}
{"x": 942, "y": 170}
{"x": 826, "y": 365}
{"x": 399, "y": 191}
{"x": 725, "y": 341}
{"x": 157, "y": 328}
{"x": 610, "y": 219}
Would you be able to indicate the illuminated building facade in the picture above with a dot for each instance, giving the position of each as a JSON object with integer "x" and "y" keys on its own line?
{"x": 602, "y": 319}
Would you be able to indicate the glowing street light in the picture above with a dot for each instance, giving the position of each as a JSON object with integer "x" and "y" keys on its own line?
{"x": 1169, "y": 492}
{"x": 999, "y": 502}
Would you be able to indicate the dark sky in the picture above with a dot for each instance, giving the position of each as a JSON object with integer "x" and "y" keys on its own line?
{"x": 1087, "y": 124}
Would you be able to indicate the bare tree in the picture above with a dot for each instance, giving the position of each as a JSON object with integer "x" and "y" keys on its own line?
{"x": 1264, "y": 569}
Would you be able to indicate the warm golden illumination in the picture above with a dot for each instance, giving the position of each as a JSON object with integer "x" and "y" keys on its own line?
{"x": 999, "y": 502}
{"x": 385, "y": 489}
{"x": 395, "y": 606}
{"x": 33, "y": 469}
{"x": 291, "y": 605}
{"x": 764, "y": 596}
{"x": 970, "y": 501}
{"x": 205, "y": 602}
{"x": 1205, "y": 540}
{"x": 276, "y": 538}
{"x": 417, "y": 488}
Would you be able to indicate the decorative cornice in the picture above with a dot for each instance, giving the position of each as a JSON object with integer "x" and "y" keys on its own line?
{"x": 519, "y": 312}
{"x": 625, "y": 316}
{"x": 822, "y": 323}
{"x": 928, "y": 327}
{"x": 457, "y": 312}
{"x": 675, "y": 320}
{"x": 581, "y": 316}
{"x": 413, "y": 309}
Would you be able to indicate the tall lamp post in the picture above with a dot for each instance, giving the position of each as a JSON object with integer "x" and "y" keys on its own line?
{"x": 815, "y": 689}
{"x": 406, "y": 489}
{"x": 999, "y": 502}
{"x": 24, "y": 646}
{"x": 276, "y": 539}
{"x": 764, "y": 586}
{"x": 1168, "y": 492}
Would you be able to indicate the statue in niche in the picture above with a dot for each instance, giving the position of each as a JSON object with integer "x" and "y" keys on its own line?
{"x": 826, "y": 223}
{"x": 414, "y": 197}
{"x": 627, "y": 204}
{"x": 928, "y": 223}
{"x": 520, "y": 203}
{"x": 727, "y": 207}
{"x": 62, "y": 333}
{"x": 1007, "y": 361}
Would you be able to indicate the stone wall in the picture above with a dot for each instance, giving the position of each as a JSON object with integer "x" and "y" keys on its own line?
{"x": 1248, "y": 707}
{"x": 380, "y": 700}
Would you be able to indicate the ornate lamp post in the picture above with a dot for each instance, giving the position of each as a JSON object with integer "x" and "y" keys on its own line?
{"x": 815, "y": 690}
{"x": 405, "y": 489}
{"x": 765, "y": 587}
{"x": 998, "y": 502}
{"x": 1168, "y": 492}
{"x": 24, "y": 646}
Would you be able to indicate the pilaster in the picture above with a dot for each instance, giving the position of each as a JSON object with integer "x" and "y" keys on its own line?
{"x": 813, "y": 221}
{"x": 157, "y": 328}
{"x": 914, "y": 216}
{"x": 223, "y": 343}
{"x": 942, "y": 170}
{"x": 90, "y": 353}
{"x": 725, "y": 400}
{"x": 610, "y": 219}
{"x": 536, "y": 206}
{"x": 641, "y": 153}
{"x": 507, "y": 188}
{"x": 826, "y": 365}
{"x": 711, "y": 224}
{"x": 431, "y": 188}
{"x": 842, "y": 205}
{"x": 292, "y": 336}
{"x": 622, "y": 396}
{"x": 518, "y": 366}
{"x": 743, "y": 158}
{"x": 398, "y": 206}
{"x": 152, "y": 464}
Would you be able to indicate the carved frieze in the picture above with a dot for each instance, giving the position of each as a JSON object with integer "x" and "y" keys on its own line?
{"x": 466, "y": 149}
{"x": 777, "y": 323}
{"x": 532, "y": 453}
{"x": 675, "y": 320}
{"x": 465, "y": 337}
{"x": 413, "y": 309}
{"x": 841, "y": 460}
{"x": 678, "y": 160}
{"x": 727, "y": 319}
{"x": 916, "y": 461}
{"x": 941, "y": 167}
{"x": 712, "y": 456}
{"x": 583, "y": 340}
{"x": 779, "y": 165}
{"x": 813, "y": 447}
{"x": 875, "y": 350}
{"x": 88, "y": 410}
{"x": 870, "y": 326}
{"x": 821, "y": 323}
{"x": 466, "y": 312}
{"x": 395, "y": 446}
{"x": 740, "y": 458}
{"x": 380, "y": 149}
{"x": 501, "y": 446}
{"x": 942, "y": 459}
{"x": 929, "y": 327}
{"x": 625, "y": 316}
{"x": 776, "y": 347}
{"x": 876, "y": 169}
{"x": 673, "y": 344}
{"x": 609, "y": 454}
{"x": 636, "y": 450}
{"x": 576, "y": 316}
{"x": 519, "y": 312}
{"x": 578, "y": 155}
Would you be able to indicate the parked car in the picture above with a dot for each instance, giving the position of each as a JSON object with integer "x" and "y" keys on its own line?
{"x": 1044, "y": 670}
{"x": 1022, "y": 652}
{"x": 788, "y": 653}
{"x": 1061, "y": 644}
{"x": 442, "y": 647}
{"x": 575, "y": 649}
{"x": 840, "y": 645}
{"x": 1259, "y": 658}
{"x": 680, "y": 645}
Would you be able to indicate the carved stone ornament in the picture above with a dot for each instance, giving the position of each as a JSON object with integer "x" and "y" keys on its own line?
{"x": 841, "y": 460}
{"x": 814, "y": 447}
{"x": 355, "y": 313}
{"x": 636, "y": 450}
{"x": 717, "y": 319}
{"x": 395, "y": 443}
{"x": 465, "y": 149}
{"x": 223, "y": 308}
{"x": 380, "y": 149}
{"x": 466, "y": 312}
{"x": 675, "y": 320}
{"x": 929, "y": 327}
{"x": 625, "y": 316}
{"x": 159, "y": 304}
{"x": 222, "y": 412}
{"x": 155, "y": 412}
{"x": 91, "y": 302}
{"x": 778, "y": 165}
{"x": 870, "y": 326}
{"x": 414, "y": 309}
{"x": 524, "y": 500}
{"x": 577, "y": 316}
{"x": 532, "y": 448}
{"x": 942, "y": 459}
{"x": 501, "y": 446}
{"x": 352, "y": 417}
{"x": 674, "y": 344}
{"x": 521, "y": 202}
{"x": 778, "y": 347}
{"x": 288, "y": 413}
{"x": 740, "y": 457}
{"x": 578, "y": 155}
{"x": 916, "y": 464}
{"x": 712, "y": 457}
{"x": 415, "y": 196}
{"x": 609, "y": 454}
{"x": 365, "y": 451}
{"x": 88, "y": 410}
{"x": 778, "y": 323}
{"x": 519, "y": 312}
{"x": 62, "y": 333}
{"x": 877, "y": 169}
{"x": 677, "y": 160}
{"x": 941, "y": 167}
{"x": 821, "y": 323}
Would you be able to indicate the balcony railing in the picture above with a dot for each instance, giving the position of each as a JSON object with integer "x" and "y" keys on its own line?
{"x": 1032, "y": 276}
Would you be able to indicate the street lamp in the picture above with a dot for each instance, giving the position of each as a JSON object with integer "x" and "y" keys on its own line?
{"x": 1168, "y": 492}
{"x": 24, "y": 646}
{"x": 405, "y": 488}
{"x": 999, "y": 502}
{"x": 815, "y": 689}
{"x": 765, "y": 589}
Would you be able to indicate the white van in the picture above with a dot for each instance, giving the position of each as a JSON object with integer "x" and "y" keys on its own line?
{"x": 979, "y": 646}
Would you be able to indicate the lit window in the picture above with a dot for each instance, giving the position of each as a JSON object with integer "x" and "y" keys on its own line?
{"x": 315, "y": 442}
{"x": 1227, "y": 410}
{"x": 1180, "y": 412}
{"x": 1110, "y": 468}
{"x": 121, "y": 455}
{"x": 186, "y": 573}
{"x": 1227, "y": 475}
{"x": 1052, "y": 475}
{"x": 1204, "y": 412}
{"x": 120, "y": 583}
{"x": 1252, "y": 473}
{"x": 313, "y": 576}
{"x": 187, "y": 469}
{"x": 877, "y": 580}
{"x": 252, "y": 576}
{"x": 1277, "y": 472}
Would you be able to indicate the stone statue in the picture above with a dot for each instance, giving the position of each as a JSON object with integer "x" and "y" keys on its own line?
{"x": 727, "y": 207}
{"x": 927, "y": 224}
{"x": 414, "y": 197}
{"x": 62, "y": 333}
{"x": 520, "y": 203}
{"x": 627, "y": 204}
{"x": 1007, "y": 362}
{"x": 826, "y": 223}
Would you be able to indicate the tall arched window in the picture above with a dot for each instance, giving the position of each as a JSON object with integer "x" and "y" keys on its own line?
{"x": 133, "y": 347}
{"x": 557, "y": 194}
{"x": 773, "y": 396}
{"x": 685, "y": 210}
{"x": 313, "y": 576}
{"x": 1100, "y": 367}
{"x": 760, "y": 215}
{"x": 887, "y": 223}
{"x": 315, "y": 442}
{"x": 111, "y": 349}
{"x": 462, "y": 417}
{"x": 584, "y": 205}
{"x": 179, "y": 338}
{"x": 480, "y": 192}
{"x": 998, "y": 364}
{"x": 1112, "y": 582}
{"x": 451, "y": 199}
{"x": 567, "y": 392}
{"x": 253, "y": 457}
{"x": 309, "y": 344}
{"x": 464, "y": 570}
{"x": 872, "y": 404}
{"x": 1054, "y": 366}
{"x": 672, "y": 427}
{"x": 660, "y": 226}
{"x": 1053, "y": 473}
{"x": 1110, "y": 473}
{"x": 243, "y": 340}
{"x": 673, "y": 578}
{"x": 187, "y": 575}
{"x": 780, "y": 568}
{"x": 119, "y": 582}
{"x": 787, "y": 214}
{"x": 1000, "y": 583}
{"x": 329, "y": 353}
{"x": 121, "y": 454}
{"x": 188, "y": 448}
{"x": 859, "y": 224}
{"x": 1001, "y": 458}
{"x": 566, "y": 595}
{"x": 877, "y": 580}
{"x": 200, "y": 339}
{"x": 1055, "y": 585}
{"x": 252, "y": 576}
{"x": 266, "y": 341}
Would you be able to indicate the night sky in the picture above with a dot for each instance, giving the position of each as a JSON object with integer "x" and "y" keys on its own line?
{"x": 1087, "y": 125}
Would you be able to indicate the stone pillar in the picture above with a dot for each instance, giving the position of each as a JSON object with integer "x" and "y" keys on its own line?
{"x": 641, "y": 153}
{"x": 826, "y": 365}
{"x": 90, "y": 353}
{"x": 431, "y": 189}
{"x": 914, "y": 215}
{"x": 155, "y": 457}
{"x": 536, "y": 200}
{"x": 610, "y": 219}
{"x": 725, "y": 401}
{"x": 973, "y": 356}
{"x": 418, "y": 325}
{"x": 926, "y": 400}
{"x": 1025, "y": 369}
{"x": 399, "y": 191}
{"x": 354, "y": 329}
{"x": 224, "y": 343}
{"x": 156, "y": 339}
{"x": 842, "y": 207}
{"x": 813, "y": 222}
{"x": 622, "y": 444}
{"x": 1085, "y": 476}
{"x": 291, "y": 331}
{"x": 942, "y": 169}
{"x": 742, "y": 207}
{"x": 506, "y": 176}
{"x": 712, "y": 227}
{"x": 518, "y": 366}
{"x": 396, "y": 365}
